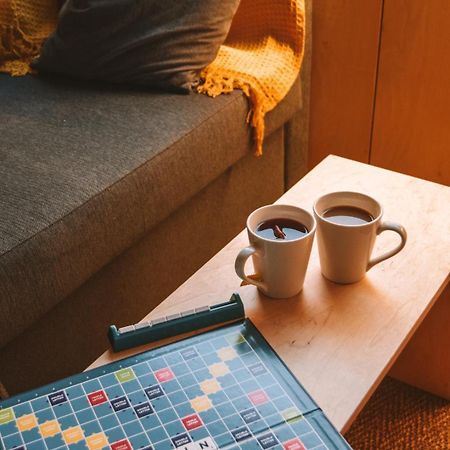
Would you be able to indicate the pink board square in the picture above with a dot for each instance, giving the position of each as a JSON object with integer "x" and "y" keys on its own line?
{"x": 294, "y": 444}
{"x": 163, "y": 375}
{"x": 191, "y": 422}
{"x": 97, "y": 398}
{"x": 258, "y": 397}
{"x": 121, "y": 445}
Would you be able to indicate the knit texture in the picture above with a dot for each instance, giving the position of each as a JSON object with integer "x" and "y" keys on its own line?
{"x": 262, "y": 56}
{"x": 24, "y": 24}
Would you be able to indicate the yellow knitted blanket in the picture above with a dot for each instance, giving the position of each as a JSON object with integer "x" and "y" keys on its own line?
{"x": 261, "y": 56}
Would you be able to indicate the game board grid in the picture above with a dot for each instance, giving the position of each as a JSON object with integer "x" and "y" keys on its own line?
{"x": 167, "y": 359}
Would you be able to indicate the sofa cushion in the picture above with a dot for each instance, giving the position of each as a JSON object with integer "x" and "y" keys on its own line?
{"x": 86, "y": 170}
{"x": 159, "y": 43}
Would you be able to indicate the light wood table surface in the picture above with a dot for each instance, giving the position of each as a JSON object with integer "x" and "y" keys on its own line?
{"x": 341, "y": 340}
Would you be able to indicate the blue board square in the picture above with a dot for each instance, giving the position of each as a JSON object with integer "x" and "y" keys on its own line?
{"x": 80, "y": 403}
{"x": 210, "y": 359}
{"x": 196, "y": 364}
{"x": 209, "y": 416}
{"x": 177, "y": 397}
{"x": 174, "y": 428}
{"x": 91, "y": 386}
{"x": 68, "y": 421}
{"x": 243, "y": 374}
{"x": 31, "y": 435}
{"x": 266, "y": 410}
{"x": 137, "y": 397}
{"x": 40, "y": 403}
{"x": 225, "y": 409}
{"x": 167, "y": 415}
{"x": 91, "y": 428}
{"x": 149, "y": 422}
{"x": 310, "y": 440}
{"x": 193, "y": 392}
{"x": 184, "y": 409}
{"x": 114, "y": 391}
{"x": 164, "y": 445}
{"x": 187, "y": 380}
{"x": 22, "y": 409}
{"x": 235, "y": 364}
{"x": 199, "y": 433}
{"x": 242, "y": 403}
{"x": 74, "y": 392}
{"x": 132, "y": 428}
{"x": 14, "y": 440}
{"x": 202, "y": 375}
{"x": 103, "y": 410}
{"x": 131, "y": 386}
{"x": 224, "y": 439}
{"x": 44, "y": 415}
{"x": 234, "y": 392}
{"x": 204, "y": 348}
{"x": 142, "y": 369}
{"x": 216, "y": 428}
{"x": 139, "y": 441}
{"x": 173, "y": 358}
{"x": 62, "y": 409}
{"x": 85, "y": 416}
{"x": 172, "y": 386}
{"x": 8, "y": 428}
{"x": 126, "y": 415}
{"x": 242, "y": 348}
{"x": 147, "y": 380}
{"x": 180, "y": 369}
{"x": 157, "y": 434}
{"x": 233, "y": 421}
{"x": 109, "y": 422}
{"x": 157, "y": 363}
{"x": 257, "y": 427}
{"x": 219, "y": 343}
{"x": 218, "y": 398}
{"x": 54, "y": 442}
{"x": 160, "y": 403}
{"x": 115, "y": 434}
{"x": 282, "y": 403}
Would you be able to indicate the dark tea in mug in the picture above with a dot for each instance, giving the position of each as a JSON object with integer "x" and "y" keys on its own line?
{"x": 347, "y": 215}
{"x": 281, "y": 229}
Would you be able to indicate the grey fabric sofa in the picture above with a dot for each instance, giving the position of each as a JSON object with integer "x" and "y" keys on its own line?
{"x": 111, "y": 197}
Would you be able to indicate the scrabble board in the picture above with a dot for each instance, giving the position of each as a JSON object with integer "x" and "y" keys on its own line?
{"x": 223, "y": 389}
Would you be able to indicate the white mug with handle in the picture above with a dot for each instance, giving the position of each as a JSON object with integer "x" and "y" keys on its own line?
{"x": 280, "y": 263}
{"x": 346, "y": 242}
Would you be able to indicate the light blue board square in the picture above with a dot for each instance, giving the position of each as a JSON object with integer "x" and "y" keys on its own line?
{"x": 172, "y": 386}
{"x": 193, "y": 391}
{"x": 216, "y": 428}
{"x": 150, "y": 422}
{"x": 218, "y": 398}
{"x": 80, "y": 403}
{"x": 167, "y": 415}
{"x": 219, "y": 342}
{"x": 196, "y": 364}
{"x": 31, "y": 435}
{"x": 242, "y": 403}
{"x": 233, "y": 421}
{"x": 227, "y": 380}
{"x": 275, "y": 391}
{"x": 248, "y": 386}
{"x": 249, "y": 358}
{"x": 54, "y": 441}
{"x": 301, "y": 427}
{"x": 266, "y": 410}
{"x": 235, "y": 364}
{"x": 75, "y": 392}
{"x": 209, "y": 416}
{"x": 212, "y": 358}
{"x": 180, "y": 369}
{"x": 177, "y": 397}
{"x": 40, "y": 403}
{"x": 139, "y": 441}
{"x": 137, "y": 397}
{"x": 242, "y": 374}
{"x": 157, "y": 434}
{"x": 157, "y": 363}
{"x": 115, "y": 434}
{"x": 173, "y": 358}
{"x": 184, "y": 409}
{"x": 266, "y": 379}
{"x": 310, "y": 440}
{"x": 114, "y": 391}
{"x": 92, "y": 386}
{"x": 282, "y": 403}
{"x": 204, "y": 348}
{"x": 109, "y": 422}
{"x": 225, "y": 409}
{"x": 108, "y": 380}
{"x": 160, "y": 403}
{"x": 12, "y": 441}
{"x": 8, "y": 428}
{"x": 62, "y": 409}
{"x": 22, "y": 409}
{"x": 44, "y": 415}
{"x": 91, "y": 428}
{"x": 131, "y": 386}
{"x": 187, "y": 380}
{"x": 68, "y": 421}
{"x": 174, "y": 428}
{"x": 132, "y": 428}
{"x": 202, "y": 375}
{"x": 199, "y": 433}
{"x": 224, "y": 439}
{"x": 252, "y": 444}
{"x": 85, "y": 416}
{"x": 141, "y": 369}
{"x": 126, "y": 415}
{"x": 147, "y": 380}
{"x": 234, "y": 392}
{"x": 284, "y": 433}
{"x": 103, "y": 410}
{"x": 257, "y": 426}
{"x": 164, "y": 445}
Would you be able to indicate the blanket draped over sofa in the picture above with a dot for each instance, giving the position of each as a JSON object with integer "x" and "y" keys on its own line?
{"x": 261, "y": 57}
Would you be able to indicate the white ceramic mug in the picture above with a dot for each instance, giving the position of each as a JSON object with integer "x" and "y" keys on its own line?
{"x": 345, "y": 250}
{"x": 280, "y": 264}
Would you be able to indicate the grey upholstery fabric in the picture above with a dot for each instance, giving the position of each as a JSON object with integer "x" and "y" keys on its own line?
{"x": 86, "y": 171}
{"x": 158, "y": 43}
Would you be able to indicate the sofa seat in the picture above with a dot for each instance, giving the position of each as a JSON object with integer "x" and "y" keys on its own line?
{"x": 87, "y": 170}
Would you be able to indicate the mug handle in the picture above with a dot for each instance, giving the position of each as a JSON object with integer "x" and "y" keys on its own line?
{"x": 239, "y": 266}
{"x": 392, "y": 226}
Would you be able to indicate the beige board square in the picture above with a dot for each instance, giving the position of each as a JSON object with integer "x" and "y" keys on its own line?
{"x": 219, "y": 369}
{"x": 96, "y": 441}
{"x": 210, "y": 386}
{"x": 202, "y": 403}
{"x": 27, "y": 422}
{"x": 49, "y": 428}
{"x": 73, "y": 435}
{"x": 227, "y": 353}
